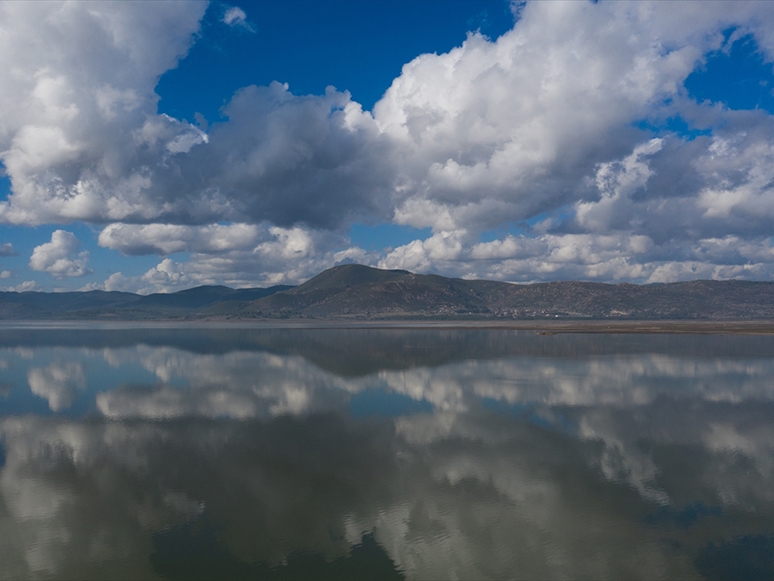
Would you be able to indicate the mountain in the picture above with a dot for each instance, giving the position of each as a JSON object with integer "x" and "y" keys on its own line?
{"x": 356, "y": 292}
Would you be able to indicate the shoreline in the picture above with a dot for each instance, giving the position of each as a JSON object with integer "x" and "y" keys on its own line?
{"x": 551, "y": 327}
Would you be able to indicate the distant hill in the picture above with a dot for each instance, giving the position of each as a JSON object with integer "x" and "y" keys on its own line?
{"x": 204, "y": 296}
{"x": 124, "y": 306}
{"x": 359, "y": 292}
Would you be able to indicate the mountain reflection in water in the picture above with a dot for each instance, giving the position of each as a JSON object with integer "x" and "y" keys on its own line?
{"x": 203, "y": 452}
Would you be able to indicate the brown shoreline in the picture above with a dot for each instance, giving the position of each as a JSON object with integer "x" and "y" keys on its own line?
{"x": 660, "y": 327}
{"x": 542, "y": 327}
{"x": 557, "y": 327}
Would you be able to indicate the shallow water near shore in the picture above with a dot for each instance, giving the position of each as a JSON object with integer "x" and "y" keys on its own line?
{"x": 180, "y": 452}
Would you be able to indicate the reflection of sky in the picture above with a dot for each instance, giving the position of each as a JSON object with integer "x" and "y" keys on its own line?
{"x": 164, "y": 382}
{"x": 547, "y": 465}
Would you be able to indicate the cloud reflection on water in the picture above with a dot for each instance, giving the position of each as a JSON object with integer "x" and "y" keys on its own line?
{"x": 534, "y": 467}
{"x": 248, "y": 384}
{"x": 58, "y": 383}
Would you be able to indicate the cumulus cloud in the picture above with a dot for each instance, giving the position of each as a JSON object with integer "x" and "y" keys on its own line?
{"x": 79, "y": 131}
{"x": 540, "y": 127}
{"x": 26, "y": 286}
{"x": 512, "y": 121}
{"x": 7, "y": 249}
{"x": 590, "y": 256}
{"x": 82, "y": 140}
{"x": 60, "y": 256}
{"x": 166, "y": 239}
{"x": 316, "y": 160}
{"x": 421, "y": 255}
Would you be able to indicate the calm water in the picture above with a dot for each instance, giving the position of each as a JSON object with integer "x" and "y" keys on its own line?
{"x": 181, "y": 453}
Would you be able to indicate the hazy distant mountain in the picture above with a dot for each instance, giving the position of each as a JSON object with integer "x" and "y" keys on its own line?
{"x": 124, "y": 306}
{"x": 360, "y": 292}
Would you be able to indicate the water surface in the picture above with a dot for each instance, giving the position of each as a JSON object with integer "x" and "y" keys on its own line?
{"x": 212, "y": 452}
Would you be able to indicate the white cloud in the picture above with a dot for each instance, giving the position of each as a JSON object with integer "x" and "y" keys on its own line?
{"x": 508, "y": 247}
{"x": 423, "y": 255}
{"x": 70, "y": 124}
{"x": 165, "y": 239}
{"x": 26, "y": 286}
{"x": 118, "y": 282}
{"x": 620, "y": 256}
{"x": 512, "y": 120}
{"x": 60, "y": 257}
{"x": 616, "y": 181}
{"x": 235, "y": 16}
{"x": 115, "y": 282}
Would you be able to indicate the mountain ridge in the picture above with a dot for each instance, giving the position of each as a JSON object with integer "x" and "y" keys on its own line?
{"x": 357, "y": 292}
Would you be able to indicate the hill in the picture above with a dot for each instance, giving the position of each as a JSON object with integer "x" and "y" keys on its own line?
{"x": 355, "y": 291}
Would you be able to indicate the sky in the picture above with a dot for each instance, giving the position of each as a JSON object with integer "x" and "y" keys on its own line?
{"x": 157, "y": 146}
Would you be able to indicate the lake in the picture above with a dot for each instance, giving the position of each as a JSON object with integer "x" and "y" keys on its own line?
{"x": 184, "y": 452}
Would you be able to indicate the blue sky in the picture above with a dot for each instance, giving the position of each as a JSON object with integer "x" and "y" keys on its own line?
{"x": 158, "y": 146}
{"x": 353, "y": 45}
